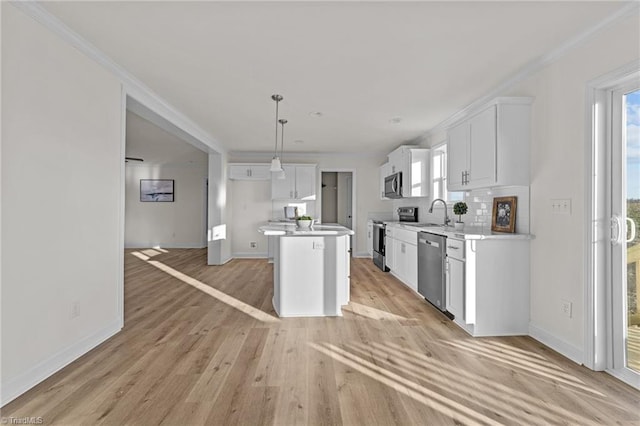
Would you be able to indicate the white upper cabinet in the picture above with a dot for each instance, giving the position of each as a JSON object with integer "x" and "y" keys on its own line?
{"x": 299, "y": 183}
{"x": 414, "y": 164}
{"x": 242, "y": 171}
{"x": 491, "y": 148}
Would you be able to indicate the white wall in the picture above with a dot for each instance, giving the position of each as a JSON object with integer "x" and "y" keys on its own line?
{"x": 250, "y": 202}
{"x": 558, "y": 171}
{"x": 343, "y": 197}
{"x": 171, "y": 225}
{"x": 366, "y": 196}
{"x": 61, "y": 181}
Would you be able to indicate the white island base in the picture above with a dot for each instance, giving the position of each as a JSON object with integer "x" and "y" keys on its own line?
{"x": 311, "y": 274}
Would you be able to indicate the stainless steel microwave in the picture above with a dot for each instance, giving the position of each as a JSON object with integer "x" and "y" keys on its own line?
{"x": 393, "y": 186}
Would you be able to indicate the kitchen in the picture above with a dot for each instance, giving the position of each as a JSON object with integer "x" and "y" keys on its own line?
{"x": 404, "y": 100}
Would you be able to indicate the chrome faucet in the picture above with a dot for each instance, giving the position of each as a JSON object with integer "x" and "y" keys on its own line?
{"x": 446, "y": 216}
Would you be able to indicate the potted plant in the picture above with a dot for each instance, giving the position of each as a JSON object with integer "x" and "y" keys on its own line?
{"x": 304, "y": 221}
{"x": 460, "y": 208}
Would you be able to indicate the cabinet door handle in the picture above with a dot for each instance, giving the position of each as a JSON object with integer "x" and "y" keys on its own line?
{"x": 453, "y": 248}
{"x": 462, "y": 178}
{"x": 296, "y": 194}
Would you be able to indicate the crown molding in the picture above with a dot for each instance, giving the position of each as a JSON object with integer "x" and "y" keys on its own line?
{"x": 311, "y": 154}
{"x": 536, "y": 65}
{"x": 133, "y": 87}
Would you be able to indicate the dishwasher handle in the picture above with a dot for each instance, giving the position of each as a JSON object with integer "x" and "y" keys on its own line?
{"x": 427, "y": 242}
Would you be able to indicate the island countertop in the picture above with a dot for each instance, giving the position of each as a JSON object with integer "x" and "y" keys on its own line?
{"x": 290, "y": 229}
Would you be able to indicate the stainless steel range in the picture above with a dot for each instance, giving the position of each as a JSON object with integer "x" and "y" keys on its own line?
{"x": 405, "y": 214}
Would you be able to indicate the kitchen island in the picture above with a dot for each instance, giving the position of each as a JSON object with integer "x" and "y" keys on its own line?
{"x": 311, "y": 269}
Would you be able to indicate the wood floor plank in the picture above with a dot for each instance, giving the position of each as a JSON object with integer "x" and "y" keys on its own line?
{"x": 192, "y": 357}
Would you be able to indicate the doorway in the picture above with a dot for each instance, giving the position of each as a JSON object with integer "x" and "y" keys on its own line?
{"x": 337, "y": 197}
{"x": 625, "y": 215}
{"x": 612, "y": 328}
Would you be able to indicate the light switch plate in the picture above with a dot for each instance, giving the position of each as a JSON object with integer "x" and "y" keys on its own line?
{"x": 561, "y": 205}
{"x": 317, "y": 245}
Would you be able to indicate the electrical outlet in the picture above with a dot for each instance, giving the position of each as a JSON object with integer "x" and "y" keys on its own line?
{"x": 561, "y": 205}
{"x": 253, "y": 244}
{"x": 75, "y": 309}
{"x": 566, "y": 308}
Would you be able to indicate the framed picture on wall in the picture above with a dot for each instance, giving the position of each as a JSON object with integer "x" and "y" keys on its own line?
{"x": 157, "y": 190}
{"x": 503, "y": 216}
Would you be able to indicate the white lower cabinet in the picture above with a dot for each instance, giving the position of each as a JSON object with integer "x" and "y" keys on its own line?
{"x": 389, "y": 254}
{"x": 403, "y": 254}
{"x": 488, "y": 286}
{"x": 455, "y": 288}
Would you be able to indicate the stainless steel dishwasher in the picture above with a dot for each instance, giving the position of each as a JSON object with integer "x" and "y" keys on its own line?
{"x": 432, "y": 250}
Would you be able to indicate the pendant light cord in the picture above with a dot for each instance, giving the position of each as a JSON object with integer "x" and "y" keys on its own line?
{"x": 276, "y": 98}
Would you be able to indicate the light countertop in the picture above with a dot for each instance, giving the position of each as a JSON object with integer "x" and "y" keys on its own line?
{"x": 290, "y": 229}
{"x": 468, "y": 233}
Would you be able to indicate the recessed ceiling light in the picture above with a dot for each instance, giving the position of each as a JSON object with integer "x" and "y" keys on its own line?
{"x": 395, "y": 120}
{"x": 316, "y": 114}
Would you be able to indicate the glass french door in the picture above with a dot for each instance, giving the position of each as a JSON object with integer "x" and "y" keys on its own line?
{"x": 625, "y": 218}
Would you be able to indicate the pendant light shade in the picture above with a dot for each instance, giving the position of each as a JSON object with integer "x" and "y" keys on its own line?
{"x": 276, "y": 166}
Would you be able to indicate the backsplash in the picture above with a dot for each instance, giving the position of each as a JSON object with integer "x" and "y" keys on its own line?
{"x": 480, "y": 204}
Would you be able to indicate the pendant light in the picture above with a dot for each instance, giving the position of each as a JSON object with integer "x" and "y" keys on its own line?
{"x": 276, "y": 166}
{"x": 281, "y": 174}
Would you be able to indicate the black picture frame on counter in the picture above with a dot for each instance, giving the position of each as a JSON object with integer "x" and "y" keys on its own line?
{"x": 503, "y": 215}
{"x": 157, "y": 190}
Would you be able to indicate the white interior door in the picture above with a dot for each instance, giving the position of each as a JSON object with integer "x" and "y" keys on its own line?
{"x": 624, "y": 258}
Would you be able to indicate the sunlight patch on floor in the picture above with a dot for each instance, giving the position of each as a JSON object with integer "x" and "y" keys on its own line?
{"x": 485, "y": 390}
{"x": 405, "y": 386}
{"x": 369, "y": 312}
{"x": 222, "y": 297}
{"x": 539, "y": 371}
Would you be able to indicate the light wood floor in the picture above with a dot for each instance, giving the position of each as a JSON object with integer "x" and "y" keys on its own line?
{"x": 201, "y": 345}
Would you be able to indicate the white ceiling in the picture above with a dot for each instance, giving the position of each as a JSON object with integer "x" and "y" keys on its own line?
{"x": 359, "y": 63}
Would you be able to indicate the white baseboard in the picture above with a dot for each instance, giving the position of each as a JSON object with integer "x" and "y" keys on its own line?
{"x": 16, "y": 386}
{"x": 249, "y": 255}
{"x": 198, "y": 245}
{"x": 362, "y": 254}
{"x": 626, "y": 376}
{"x": 572, "y": 352}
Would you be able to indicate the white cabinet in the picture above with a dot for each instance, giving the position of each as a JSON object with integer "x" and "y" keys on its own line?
{"x": 414, "y": 164}
{"x": 488, "y": 288}
{"x": 243, "y": 171}
{"x": 299, "y": 183}
{"x": 389, "y": 248}
{"x": 402, "y": 247}
{"x": 384, "y": 171}
{"x": 455, "y": 275}
{"x": 491, "y": 148}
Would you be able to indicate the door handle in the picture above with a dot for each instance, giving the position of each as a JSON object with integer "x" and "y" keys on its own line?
{"x": 616, "y": 230}
{"x": 633, "y": 230}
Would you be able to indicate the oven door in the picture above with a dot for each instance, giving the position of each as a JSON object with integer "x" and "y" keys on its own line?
{"x": 378, "y": 238}
{"x": 378, "y": 246}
